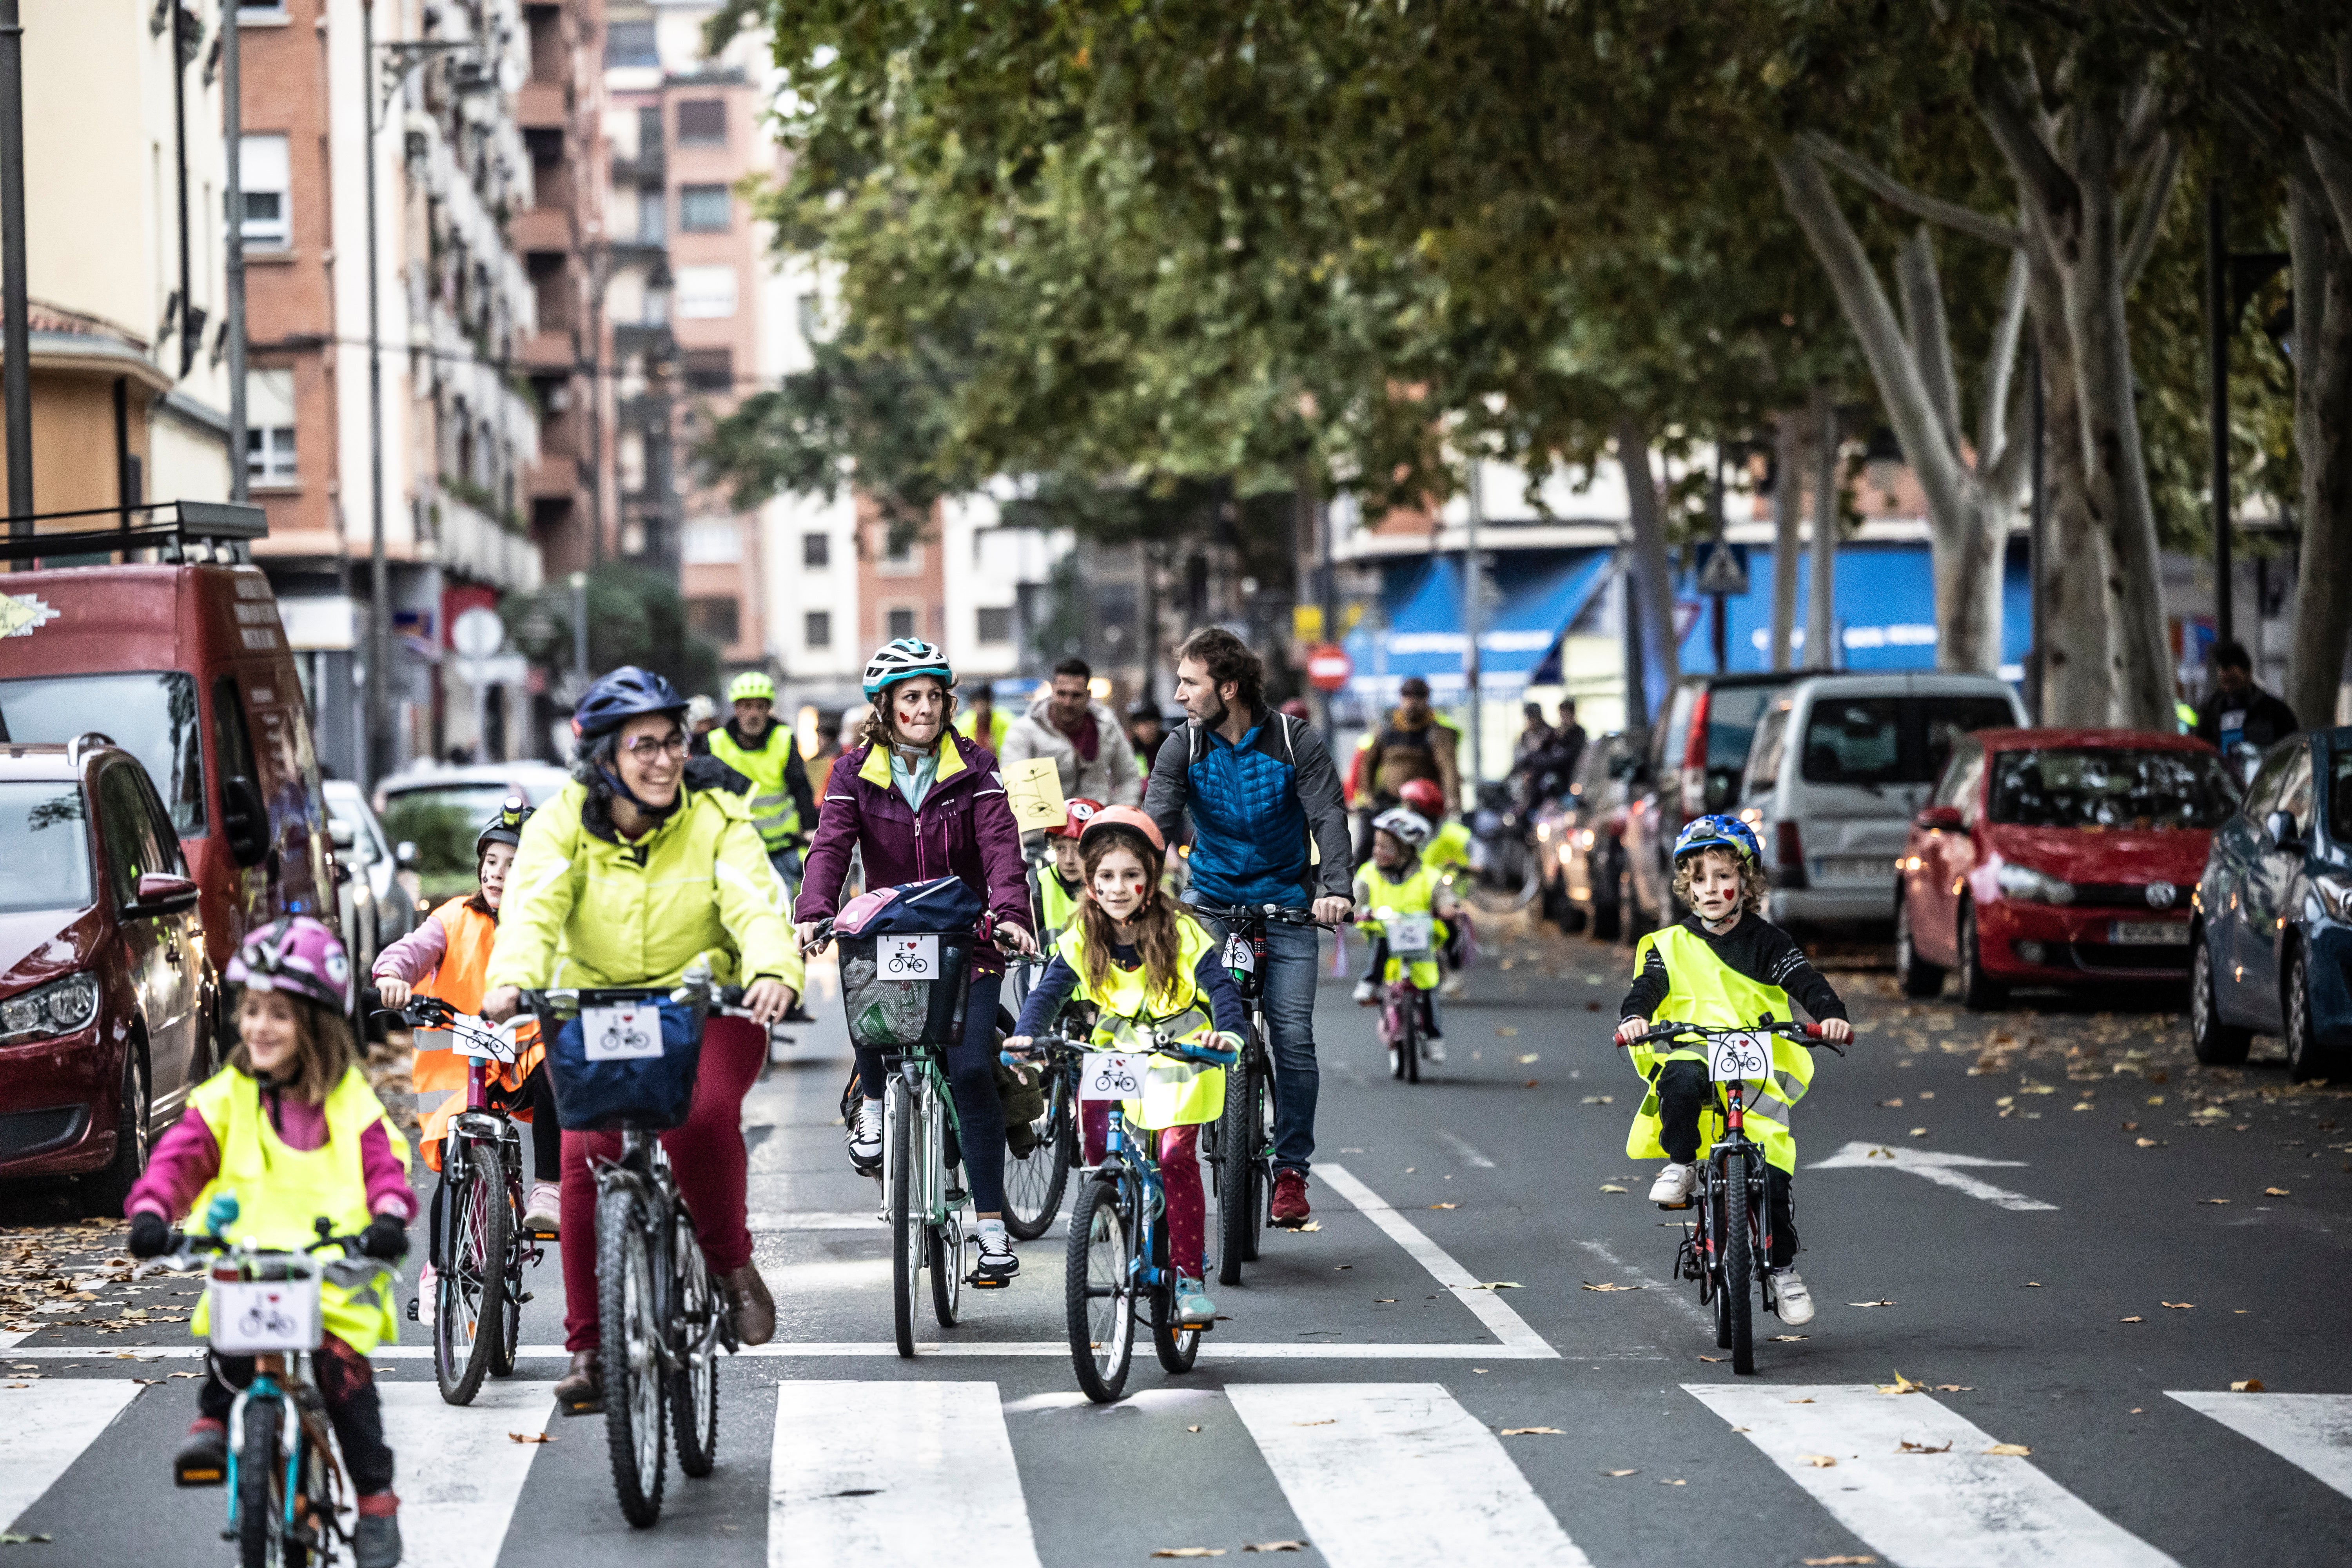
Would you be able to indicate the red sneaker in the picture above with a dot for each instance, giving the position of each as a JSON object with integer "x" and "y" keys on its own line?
{"x": 1290, "y": 1197}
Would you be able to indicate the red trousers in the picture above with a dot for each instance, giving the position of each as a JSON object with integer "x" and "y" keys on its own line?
{"x": 1186, "y": 1201}
{"x": 708, "y": 1156}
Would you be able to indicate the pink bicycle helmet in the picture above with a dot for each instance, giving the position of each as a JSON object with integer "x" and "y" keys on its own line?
{"x": 298, "y": 955}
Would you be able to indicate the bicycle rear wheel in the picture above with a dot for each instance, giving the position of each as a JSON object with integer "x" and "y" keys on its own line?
{"x": 1176, "y": 1344}
{"x": 261, "y": 1491}
{"x": 947, "y": 1272}
{"x": 507, "y": 1343}
{"x": 906, "y": 1226}
{"x": 1098, "y": 1295}
{"x": 470, "y": 1292}
{"x": 631, "y": 1364}
{"x": 693, "y": 1387}
{"x": 1738, "y": 1264}
{"x": 1239, "y": 1202}
{"x": 1034, "y": 1186}
{"x": 1409, "y": 1033}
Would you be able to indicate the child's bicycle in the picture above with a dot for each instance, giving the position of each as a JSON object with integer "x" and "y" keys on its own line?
{"x": 285, "y": 1487}
{"x": 1118, "y": 1229}
{"x": 480, "y": 1248}
{"x": 1728, "y": 1246}
{"x": 1405, "y": 1016}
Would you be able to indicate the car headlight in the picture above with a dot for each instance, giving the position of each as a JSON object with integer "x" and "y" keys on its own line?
{"x": 57, "y": 1008}
{"x": 2334, "y": 896}
{"x": 2030, "y": 886}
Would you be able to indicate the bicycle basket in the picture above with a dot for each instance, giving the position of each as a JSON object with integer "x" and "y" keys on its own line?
{"x": 263, "y": 1306}
{"x": 903, "y": 989}
{"x": 612, "y": 1068}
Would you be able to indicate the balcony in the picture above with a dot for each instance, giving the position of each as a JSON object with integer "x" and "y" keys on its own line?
{"x": 545, "y": 351}
{"x": 645, "y": 169}
{"x": 540, "y": 227}
{"x": 542, "y": 105}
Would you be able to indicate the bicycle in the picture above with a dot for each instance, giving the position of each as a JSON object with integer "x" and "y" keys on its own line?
{"x": 1241, "y": 1152}
{"x": 1727, "y": 1245}
{"x": 662, "y": 1317}
{"x": 1036, "y": 1179}
{"x": 1404, "y": 1006}
{"x": 285, "y": 1487}
{"x": 480, "y": 1248}
{"x": 1118, "y": 1227}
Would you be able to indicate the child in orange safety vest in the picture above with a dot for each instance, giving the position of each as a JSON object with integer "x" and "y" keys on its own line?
{"x": 446, "y": 957}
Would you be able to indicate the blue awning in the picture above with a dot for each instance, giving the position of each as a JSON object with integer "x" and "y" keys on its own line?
{"x": 1540, "y": 599}
{"x": 1884, "y": 609}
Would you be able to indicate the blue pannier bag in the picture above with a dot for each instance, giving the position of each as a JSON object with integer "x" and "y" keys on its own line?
{"x": 655, "y": 1092}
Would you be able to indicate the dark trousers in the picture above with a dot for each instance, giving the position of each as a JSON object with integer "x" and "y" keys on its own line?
{"x": 1683, "y": 1092}
{"x": 971, "y": 1079}
{"x": 346, "y": 1385}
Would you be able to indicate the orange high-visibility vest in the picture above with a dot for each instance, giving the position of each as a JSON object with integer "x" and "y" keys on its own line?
{"x": 459, "y": 980}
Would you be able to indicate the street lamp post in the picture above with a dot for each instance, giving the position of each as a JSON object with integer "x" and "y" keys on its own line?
{"x": 16, "y": 328}
{"x": 1472, "y": 611}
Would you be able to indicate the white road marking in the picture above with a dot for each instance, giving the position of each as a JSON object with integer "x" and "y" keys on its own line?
{"x": 2312, "y": 1431}
{"x": 1628, "y": 1274}
{"x": 895, "y": 1472}
{"x": 1470, "y": 1156}
{"x": 818, "y": 1219}
{"x": 45, "y": 1426}
{"x": 1956, "y": 1509}
{"x": 1487, "y": 1305}
{"x": 1399, "y": 1475}
{"x": 460, "y": 1474}
{"x": 128, "y": 1363}
{"x": 1935, "y": 1165}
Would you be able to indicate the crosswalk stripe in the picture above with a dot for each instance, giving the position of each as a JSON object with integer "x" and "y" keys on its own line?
{"x": 45, "y": 1426}
{"x": 2312, "y": 1431}
{"x": 458, "y": 1473}
{"x": 895, "y": 1472}
{"x": 1399, "y": 1475}
{"x": 1488, "y": 1306}
{"x": 1954, "y": 1506}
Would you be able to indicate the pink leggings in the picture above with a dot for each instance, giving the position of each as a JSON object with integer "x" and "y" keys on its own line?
{"x": 1187, "y": 1203}
{"x": 708, "y": 1156}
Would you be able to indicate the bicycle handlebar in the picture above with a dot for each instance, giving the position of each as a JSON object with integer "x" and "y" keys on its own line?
{"x": 1806, "y": 1035}
{"x": 1261, "y": 914}
{"x": 1066, "y": 1048}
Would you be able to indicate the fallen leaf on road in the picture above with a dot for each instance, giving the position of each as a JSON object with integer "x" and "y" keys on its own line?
{"x": 2033, "y": 1284}
{"x": 1819, "y": 1462}
{"x": 1870, "y": 1303}
{"x": 2083, "y": 1105}
{"x": 1611, "y": 1187}
{"x": 1191, "y": 1429}
{"x": 1789, "y": 1338}
{"x": 1446, "y": 1205}
{"x": 2251, "y": 1386}
{"x": 1600, "y": 1100}
{"x": 2275, "y": 1192}
{"x": 1326, "y": 1421}
{"x": 1666, "y": 1483}
{"x": 1901, "y": 1384}
{"x": 10, "y": 1538}
{"x": 1529, "y": 1084}
{"x": 1911, "y": 1447}
{"x": 2212, "y": 1200}
{"x": 1499, "y": 1285}
{"x": 1784, "y": 1401}
{"x": 2155, "y": 1099}
{"x": 2006, "y": 1100}
{"x": 1718, "y": 1359}
{"x": 1918, "y": 1132}
{"x": 1343, "y": 1267}
{"x": 1530, "y": 1058}
{"x": 529, "y": 1437}
{"x": 2012, "y": 1450}
{"x": 1533, "y": 1432}
{"x": 2181, "y": 1306}
{"x": 1384, "y": 1300}
{"x": 1837, "y": 1561}
{"x": 2131, "y": 1319}
{"x": 1505, "y": 1030}
{"x": 1894, "y": 1104}
{"x": 2147, "y": 1143}
{"x": 1310, "y": 1224}
{"x": 1956, "y": 1388}
{"x": 1189, "y": 1552}
{"x": 1276, "y": 1546}
{"x": 1619, "y": 1473}
{"x": 1590, "y": 1286}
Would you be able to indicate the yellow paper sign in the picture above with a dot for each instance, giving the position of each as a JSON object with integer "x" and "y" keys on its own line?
{"x": 1034, "y": 785}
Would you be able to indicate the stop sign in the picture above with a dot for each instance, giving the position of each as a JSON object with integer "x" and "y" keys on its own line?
{"x": 1329, "y": 666}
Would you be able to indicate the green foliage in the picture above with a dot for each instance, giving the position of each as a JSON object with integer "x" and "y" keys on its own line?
{"x": 444, "y": 836}
{"x": 634, "y": 616}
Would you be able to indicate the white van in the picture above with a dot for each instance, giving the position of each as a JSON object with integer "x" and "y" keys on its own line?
{"x": 1839, "y": 767}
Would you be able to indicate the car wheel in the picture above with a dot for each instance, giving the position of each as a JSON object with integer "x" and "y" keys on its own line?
{"x": 104, "y": 1194}
{"x": 1915, "y": 974}
{"x": 2306, "y": 1058}
{"x": 2216, "y": 1043}
{"x": 1979, "y": 992}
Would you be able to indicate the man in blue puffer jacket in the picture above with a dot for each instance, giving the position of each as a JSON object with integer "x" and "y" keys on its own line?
{"x": 1269, "y": 826}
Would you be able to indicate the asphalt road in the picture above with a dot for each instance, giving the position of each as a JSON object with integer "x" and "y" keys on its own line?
{"x": 2069, "y": 1238}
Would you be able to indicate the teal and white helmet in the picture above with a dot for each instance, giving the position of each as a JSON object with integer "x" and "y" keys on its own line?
{"x": 902, "y": 660}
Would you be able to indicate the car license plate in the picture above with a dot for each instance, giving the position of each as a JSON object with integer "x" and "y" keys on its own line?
{"x": 1857, "y": 868}
{"x": 2148, "y": 933}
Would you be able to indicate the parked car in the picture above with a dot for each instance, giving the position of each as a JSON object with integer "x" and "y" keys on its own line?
{"x": 106, "y": 995}
{"x": 2272, "y": 937}
{"x": 2057, "y": 858}
{"x": 184, "y": 665}
{"x": 1581, "y": 837}
{"x": 1839, "y": 765}
{"x": 377, "y": 893}
{"x": 1696, "y": 754}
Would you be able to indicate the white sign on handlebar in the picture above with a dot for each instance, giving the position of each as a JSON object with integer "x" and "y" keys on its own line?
{"x": 1737, "y": 1058}
{"x": 1113, "y": 1075}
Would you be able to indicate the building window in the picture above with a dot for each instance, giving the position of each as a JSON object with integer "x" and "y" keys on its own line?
{"x": 262, "y": 171}
{"x": 816, "y": 551}
{"x": 270, "y": 426}
{"x": 704, "y": 292}
{"x": 899, "y": 623}
{"x": 816, "y": 629}
{"x": 651, "y": 205}
{"x": 716, "y": 619}
{"x": 704, "y": 209}
{"x": 996, "y": 622}
{"x": 709, "y": 370}
{"x": 702, "y": 122}
{"x": 712, "y": 541}
{"x": 630, "y": 44}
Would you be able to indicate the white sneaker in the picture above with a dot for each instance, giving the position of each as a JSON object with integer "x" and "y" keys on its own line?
{"x": 1674, "y": 1184}
{"x": 1454, "y": 985}
{"x": 545, "y": 1210}
{"x": 428, "y": 1288}
{"x": 1796, "y": 1301}
{"x": 1432, "y": 1050}
{"x": 1363, "y": 993}
{"x": 866, "y": 1140}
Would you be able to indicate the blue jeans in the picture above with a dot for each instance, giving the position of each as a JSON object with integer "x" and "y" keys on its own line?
{"x": 1293, "y": 954}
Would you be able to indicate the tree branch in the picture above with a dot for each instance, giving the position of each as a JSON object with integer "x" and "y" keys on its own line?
{"x": 2155, "y": 202}
{"x": 1871, "y": 177}
{"x": 2010, "y": 120}
{"x": 1993, "y": 414}
{"x": 1929, "y": 329}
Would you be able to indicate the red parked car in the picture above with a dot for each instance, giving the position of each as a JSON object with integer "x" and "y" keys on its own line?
{"x": 2057, "y": 858}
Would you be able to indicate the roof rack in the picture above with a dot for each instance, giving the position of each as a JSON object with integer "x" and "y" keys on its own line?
{"x": 178, "y": 532}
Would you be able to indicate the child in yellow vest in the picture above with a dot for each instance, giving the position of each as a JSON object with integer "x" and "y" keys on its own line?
{"x": 291, "y": 1130}
{"x": 446, "y": 957}
{"x": 1724, "y": 965}
{"x": 1399, "y": 880}
{"x": 1135, "y": 955}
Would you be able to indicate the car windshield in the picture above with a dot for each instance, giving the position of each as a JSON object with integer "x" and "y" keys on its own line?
{"x": 152, "y": 715}
{"x": 1890, "y": 740}
{"x": 44, "y": 848}
{"x": 2110, "y": 788}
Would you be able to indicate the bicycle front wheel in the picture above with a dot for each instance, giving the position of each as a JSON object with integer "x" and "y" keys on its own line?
{"x": 1175, "y": 1344}
{"x": 1239, "y": 1201}
{"x": 907, "y": 1220}
{"x": 693, "y": 1386}
{"x": 1033, "y": 1185}
{"x": 470, "y": 1292}
{"x": 1738, "y": 1264}
{"x": 261, "y": 1491}
{"x": 1098, "y": 1293}
{"x": 631, "y": 1331}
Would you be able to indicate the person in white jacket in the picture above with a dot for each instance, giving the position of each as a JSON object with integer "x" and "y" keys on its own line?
{"x": 1084, "y": 738}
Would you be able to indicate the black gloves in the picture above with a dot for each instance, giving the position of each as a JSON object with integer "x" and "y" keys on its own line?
{"x": 150, "y": 1235}
{"x": 386, "y": 1237}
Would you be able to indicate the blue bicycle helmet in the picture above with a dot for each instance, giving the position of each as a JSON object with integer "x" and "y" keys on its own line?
{"x": 1717, "y": 832}
{"x": 624, "y": 694}
{"x": 902, "y": 660}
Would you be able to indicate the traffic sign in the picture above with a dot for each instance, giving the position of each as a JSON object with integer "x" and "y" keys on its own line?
{"x": 478, "y": 633}
{"x": 1329, "y": 666}
{"x": 1722, "y": 568}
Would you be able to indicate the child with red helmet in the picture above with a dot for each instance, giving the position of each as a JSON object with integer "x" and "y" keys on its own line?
{"x": 1061, "y": 878}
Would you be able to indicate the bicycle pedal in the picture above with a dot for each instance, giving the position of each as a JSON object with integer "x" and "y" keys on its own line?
{"x": 1686, "y": 1204}
{"x": 585, "y": 1407}
{"x": 524, "y": 1299}
{"x": 411, "y": 1309}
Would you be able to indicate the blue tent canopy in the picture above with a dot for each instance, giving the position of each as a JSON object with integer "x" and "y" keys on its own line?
{"x": 1424, "y": 635}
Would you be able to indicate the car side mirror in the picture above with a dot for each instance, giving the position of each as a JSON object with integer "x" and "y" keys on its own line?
{"x": 343, "y": 833}
{"x": 1938, "y": 819}
{"x": 160, "y": 894}
{"x": 243, "y": 820}
{"x": 403, "y": 854}
{"x": 2280, "y": 825}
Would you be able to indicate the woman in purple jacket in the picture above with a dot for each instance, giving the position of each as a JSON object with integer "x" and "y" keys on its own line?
{"x": 922, "y": 802}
